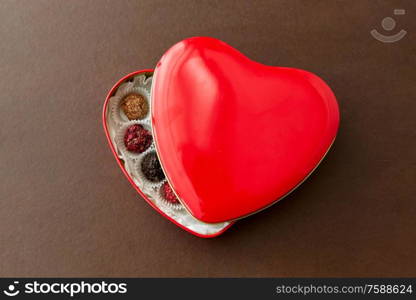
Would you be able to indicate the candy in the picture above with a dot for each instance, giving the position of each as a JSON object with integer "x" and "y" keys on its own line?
{"x": 168, "y": 194}
{"x": 135, "y": 107}
{"x": 151, "y": 168}
{"x": 137, "y": 139}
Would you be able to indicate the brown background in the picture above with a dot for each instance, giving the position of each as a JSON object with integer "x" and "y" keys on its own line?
{"x": 67, "y": 210}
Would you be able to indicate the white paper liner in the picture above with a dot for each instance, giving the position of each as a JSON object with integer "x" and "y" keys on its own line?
{"x": 142, "y": 81}
{"x": 160, "y": 199}
{"x": 119, "y": 139}
{"x": 116, "y": 127}
{"x": 117, "y": 113}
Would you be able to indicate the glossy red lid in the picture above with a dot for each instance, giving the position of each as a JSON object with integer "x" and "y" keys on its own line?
{"x": 233, "y": 135}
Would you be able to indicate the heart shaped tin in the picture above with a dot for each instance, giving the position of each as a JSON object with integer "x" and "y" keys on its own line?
{"x": 232, "y": 136}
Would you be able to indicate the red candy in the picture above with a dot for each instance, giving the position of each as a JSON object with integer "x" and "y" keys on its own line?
{"x": 137, "y": 139}
{"x": 168, "y": 194}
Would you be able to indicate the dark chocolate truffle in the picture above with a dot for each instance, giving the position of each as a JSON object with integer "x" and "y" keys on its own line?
{"x": 151, "y": 168}
{"x": 137, "y": 139}
{"x": 135, "y": 106}
{"x": 168, "y": 194}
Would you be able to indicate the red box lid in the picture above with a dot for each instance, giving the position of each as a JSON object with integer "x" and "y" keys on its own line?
{"x": 235, "y": 136}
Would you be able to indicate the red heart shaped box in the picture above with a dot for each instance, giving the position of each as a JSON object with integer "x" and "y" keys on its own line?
{"x": 234, "y": 136}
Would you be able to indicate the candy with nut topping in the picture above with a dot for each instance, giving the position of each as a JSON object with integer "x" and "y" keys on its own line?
{"x": 135, "y": 107}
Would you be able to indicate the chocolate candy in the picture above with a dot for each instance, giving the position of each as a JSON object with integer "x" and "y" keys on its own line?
{"x": 137, "y": 139}
{"x": 151, "y": 168}
{"x": 135, "y": 106}
{"x": 168, "y": 194}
